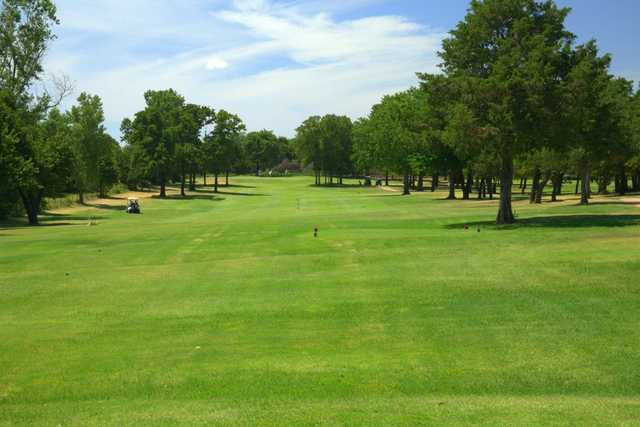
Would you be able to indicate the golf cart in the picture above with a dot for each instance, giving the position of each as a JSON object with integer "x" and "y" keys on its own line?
{"x": 133, "y": 205}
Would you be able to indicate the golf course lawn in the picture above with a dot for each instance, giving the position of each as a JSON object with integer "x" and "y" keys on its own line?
{"x": 225, "y": 310}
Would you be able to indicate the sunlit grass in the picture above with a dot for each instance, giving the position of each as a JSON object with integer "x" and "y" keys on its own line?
{"x": 224, "y": 309}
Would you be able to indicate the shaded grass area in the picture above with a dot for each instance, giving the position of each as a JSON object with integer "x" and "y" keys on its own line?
{"x": 232, "y": 313}
{"x": 561, "y": 221}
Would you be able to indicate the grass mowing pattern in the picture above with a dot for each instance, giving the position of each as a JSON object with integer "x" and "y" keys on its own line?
{"x": 223, "y": 309}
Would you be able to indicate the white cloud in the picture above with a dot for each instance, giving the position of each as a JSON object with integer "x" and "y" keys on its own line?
{"x": 289, "y": 60}
{"x": 215, "y": 63}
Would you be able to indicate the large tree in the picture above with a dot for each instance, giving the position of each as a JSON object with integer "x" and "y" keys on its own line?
{"x": 441, "y": 99}
{"x": 93, "y": 147}
{"x": 189, "y": 149}
{"x": 261, "y": 149}
{"x": 222, "y": 145}
{"x": 28, "y": 159}
{"x": 327, "y": 144}
{"x": 510, "y": 55}
{"x": 398, "y": 131}
{"x": 588, "y": 110}
{"x": 309, "y": 145}
{"x": 156, "y": 131}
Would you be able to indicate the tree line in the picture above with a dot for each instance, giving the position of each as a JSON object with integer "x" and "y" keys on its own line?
{"x": 175, "y": 141}
{"x": 517, "y": 99}
{"x": 45, "y": 152}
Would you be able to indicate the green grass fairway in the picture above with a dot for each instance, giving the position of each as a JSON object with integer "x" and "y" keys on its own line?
{"x": 224, "y": 310}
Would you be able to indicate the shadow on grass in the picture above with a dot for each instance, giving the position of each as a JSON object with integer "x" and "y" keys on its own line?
{"x": 239, "y": 193}
{"x": 211, "y": 197}
{"x": 334, "y": 186}
{"x": 629, "y": 194}
{"x": 237, "y": 186}
{"x": 613, "y": 202}
{"x": 106, "y": 207}
{"x": 559, "y": 221}
{"x": 49, "y": 220}
{"x": 221, "y": 190}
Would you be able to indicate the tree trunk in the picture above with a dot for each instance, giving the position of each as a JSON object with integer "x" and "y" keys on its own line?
{"x": 505, "y": 213}
{"x": 556, "y": 181}
{"x": 467, "y": 188}
{"x": 452, "y": 186}
{"x": 386, "y": 179}
{"x": 535, "y": 185}
{"x": 163, "y": 188}
{"x": 31, "y": 203}
{"x": 524, "y": 185}
{"x": 586, "y": 183}
{"x": 184, "y": 178}
{"x": 81, "y": 197}
{"x": 622, "y": 184}
{"x": 560, "y": 181}
{"x": 491, "y": 187}
{"x": 257, "y": 169}
{"x": 540, "y": 190}
{"x": 204, "y": 176}
{"x": 635, "y": 183}
{"x": 577, "y": 186}
{"x": 406, "y": 187}
{"x": 215, "y": 182}
{"x": 434, "y": 182}
{"x": 226, "y": 179}
{"x": 421, "y": 182}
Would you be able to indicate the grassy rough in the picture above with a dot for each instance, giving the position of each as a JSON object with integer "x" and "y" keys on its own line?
{"x": 223, "y": 309}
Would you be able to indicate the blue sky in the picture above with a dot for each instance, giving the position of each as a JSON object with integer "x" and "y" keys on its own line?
{"x": 277, "y": 62}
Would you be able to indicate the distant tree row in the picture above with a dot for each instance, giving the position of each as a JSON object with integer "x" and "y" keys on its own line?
{"x": 517, "y": 98}
{"x": 174, "y": 141}
{"x": 326, "y": 144}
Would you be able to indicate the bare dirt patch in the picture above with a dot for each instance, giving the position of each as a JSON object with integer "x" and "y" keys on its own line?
{"x": 390, "y": 189}
{"x": 118, "y": 200}
{"x": 635, "y": 201}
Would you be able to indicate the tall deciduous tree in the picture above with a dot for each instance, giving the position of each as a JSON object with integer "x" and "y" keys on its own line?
{"x": 510, "y": 55}
{"x": 309, "y": 145}
{"x": 222, "y": 145}
{"x": 28, "y": 160}
{"x": 261, "y": 149}
{"x": 93, "y": 149}
{"x": 189, "y": 148}
{"x": 587, "y": 108}
{"x": 327, "y": 143}
{"x": 157, "y": 130}
{"x": 398, "y": 130}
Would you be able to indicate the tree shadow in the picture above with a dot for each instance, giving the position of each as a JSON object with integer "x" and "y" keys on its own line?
{"x": 558, "y": 221}
{"x": 239, "y": 193}
{"x": 238, "y": 186}
{"x": 387, "y": 194}
{"x": 49, "y": 220}
{"x": 629, "y": 194}
{"x": 334, "y": 186}
{"x": 16, "y": 224}
{"x": 613, "y": 202}
{"x": 106, "y": 207}
{"x": 209, "y": 197}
